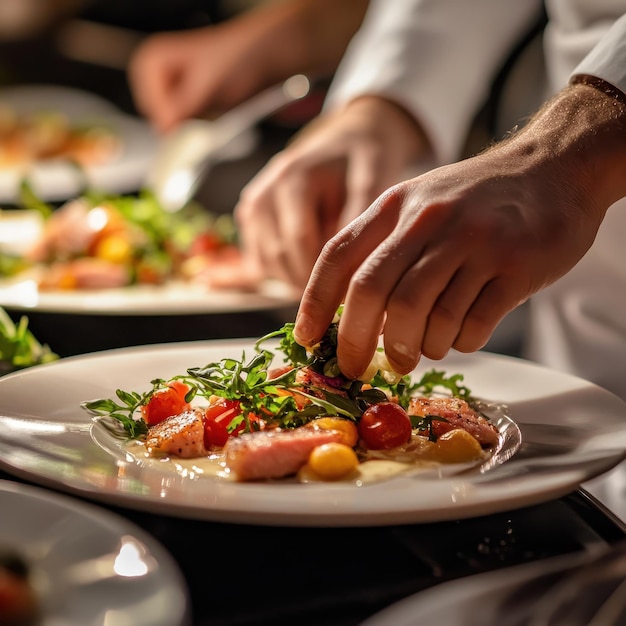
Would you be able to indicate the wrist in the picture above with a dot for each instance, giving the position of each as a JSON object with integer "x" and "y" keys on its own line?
{"x": 382, "y": 115}
{"x": 582, "y": 132}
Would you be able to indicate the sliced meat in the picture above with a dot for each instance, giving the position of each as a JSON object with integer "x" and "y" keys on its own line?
{"x": 85, "y": 273}
{"x": 222, "y": 268}
{"x": 274, "y": 453}
{"x": 181, "y": 435}
{"x": 67, "y": 232}
{"x": 459, "y": 414}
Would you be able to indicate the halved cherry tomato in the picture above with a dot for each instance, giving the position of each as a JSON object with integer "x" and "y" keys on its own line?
{"x": 166, "y": 402}
{"x": 217, "y": 418}
{"x": 384, "y": 426}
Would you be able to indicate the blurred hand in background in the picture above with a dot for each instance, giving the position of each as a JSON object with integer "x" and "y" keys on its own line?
{"x": 177, "y": 75}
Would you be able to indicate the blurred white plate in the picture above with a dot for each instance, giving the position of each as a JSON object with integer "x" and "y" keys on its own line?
{"x": 173, "y": 298}
{"x": 20, "y": 229}
{"x": 572, "y": 430}
{"x": 578, "y": 589}
{"x": 58, "y": 181}
{"x": 90, "y": 567}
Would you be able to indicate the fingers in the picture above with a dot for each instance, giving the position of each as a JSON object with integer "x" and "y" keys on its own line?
{"x": 424, "y": 312}
{"x": 448, "y": 313}
{"x": 496, "y": 300}
{"x": 170, "y": 80}
{"x": 151, "y": 76}
{"x": 299, "y": 229}
{"x": 363, "y": 183}
{"x": 337, "y": 275}
{"x": 428, "y": 285}
{"x": 279, "y": 224}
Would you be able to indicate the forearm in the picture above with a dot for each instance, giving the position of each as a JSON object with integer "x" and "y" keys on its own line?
{"x": 298, "y": 36}
{"x": 582, "y": 133}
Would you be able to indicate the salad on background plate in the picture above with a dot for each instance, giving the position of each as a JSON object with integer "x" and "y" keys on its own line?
{"x": 19, "y": 348}
{"x": 99, "y": 241}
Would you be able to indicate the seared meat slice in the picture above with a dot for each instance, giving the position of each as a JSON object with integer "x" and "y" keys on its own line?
{"x": 274, "y": 453}
{"x": 459, "y": 414}
{"x": 181, "y": 435}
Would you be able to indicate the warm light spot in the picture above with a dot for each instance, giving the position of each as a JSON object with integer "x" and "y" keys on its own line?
{"x": 97, "y": 218}
{"x": 129, "y": 561}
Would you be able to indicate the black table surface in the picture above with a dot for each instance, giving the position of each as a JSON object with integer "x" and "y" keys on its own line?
{"x": 244, "y": 575}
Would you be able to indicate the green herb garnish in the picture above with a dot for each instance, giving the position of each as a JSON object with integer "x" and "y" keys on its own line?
{"x": 18, "y": 346}
{"x": 279, "y": 399}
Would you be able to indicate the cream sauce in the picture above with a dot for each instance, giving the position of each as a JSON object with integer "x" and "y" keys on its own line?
{"x": 380, "y": 467}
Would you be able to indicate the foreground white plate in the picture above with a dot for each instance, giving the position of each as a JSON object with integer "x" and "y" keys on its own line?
{"x": 572, "y": 430}
{"x": 58, "y": 181}
{"x": 173, "y": 298}
{"x": 88, "y": 566}
{"x": 574, "y": 590}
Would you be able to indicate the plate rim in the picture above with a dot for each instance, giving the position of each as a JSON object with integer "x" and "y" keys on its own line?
{"x": 96, "y": 519}
{"x": 172, "y": 298}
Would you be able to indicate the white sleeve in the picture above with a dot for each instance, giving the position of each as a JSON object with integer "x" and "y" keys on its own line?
{"x": 435, "y": 58}
{"x": 607, "y": 60}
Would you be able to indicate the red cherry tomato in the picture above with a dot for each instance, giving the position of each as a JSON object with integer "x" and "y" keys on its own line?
{"x": 384, "y": 426}
{"x": 205, "y": 243}
{"x": 217, "y": 418}
{"x": 166, "y": 402}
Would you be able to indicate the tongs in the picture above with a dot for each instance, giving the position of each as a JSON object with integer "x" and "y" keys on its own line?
{"x": 186, "y": 154}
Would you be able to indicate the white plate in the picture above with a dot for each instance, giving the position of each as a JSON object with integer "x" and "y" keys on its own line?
{"x": 58, "y": 181}
{"x": 173, "y": 298}
{"x": 565, "y": 590}
{"x": 90, "y": 567}
{"x": 572, "y": 431}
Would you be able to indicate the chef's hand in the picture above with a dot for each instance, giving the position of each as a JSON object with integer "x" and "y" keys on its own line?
{"x": 326, "y": 177}
{"x": 437, "y": 261}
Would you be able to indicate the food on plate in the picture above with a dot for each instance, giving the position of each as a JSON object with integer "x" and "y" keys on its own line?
{"x": 19, "y": 348}
{"x": 19, "y": 604}
{"x": 99, "y": 241}
{"x": 253, "y": 419}
{"x": 28, "y": 138}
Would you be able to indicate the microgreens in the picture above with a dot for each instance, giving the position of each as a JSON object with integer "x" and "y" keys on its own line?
{"x": 282, "y": 399}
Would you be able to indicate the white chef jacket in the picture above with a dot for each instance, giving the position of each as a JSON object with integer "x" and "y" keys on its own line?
{"x": 437, "y": 58}
{"x": 579, "y": 323}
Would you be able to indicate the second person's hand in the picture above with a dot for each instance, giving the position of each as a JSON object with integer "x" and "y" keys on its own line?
{"x": 329, "y": 175}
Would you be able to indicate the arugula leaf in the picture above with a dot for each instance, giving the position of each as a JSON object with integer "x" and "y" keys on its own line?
{"x": 11, "y": 264}
{"x": 433, "y": 380}
{"x": 18, "y": 346}
{"x": 294, "y": 354}
{"x": 29, "y": 200}
{"x": 425, "y": 422}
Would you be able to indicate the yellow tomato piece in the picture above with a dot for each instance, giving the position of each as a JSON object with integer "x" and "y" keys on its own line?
{"x": 333, "y": 460}
{"x": 457, "y": 446}
{"x": 67, "y": 281}
{"x": 348, "y": 429}
{"x": 114, "y": 248}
